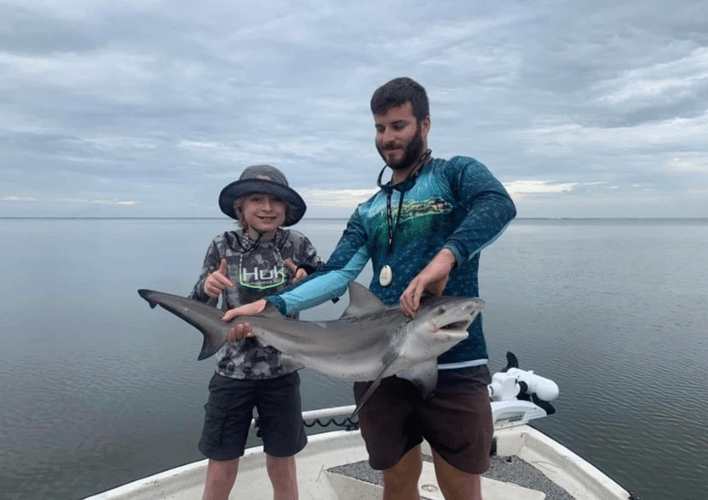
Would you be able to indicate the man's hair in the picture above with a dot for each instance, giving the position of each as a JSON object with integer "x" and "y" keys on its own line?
{"x": 396, "y": 93}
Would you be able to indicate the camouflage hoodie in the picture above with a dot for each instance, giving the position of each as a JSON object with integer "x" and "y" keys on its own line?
{"x": 258, "y": 269}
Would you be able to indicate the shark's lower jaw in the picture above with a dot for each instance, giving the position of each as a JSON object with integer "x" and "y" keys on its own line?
{"x": 449, "y": 335}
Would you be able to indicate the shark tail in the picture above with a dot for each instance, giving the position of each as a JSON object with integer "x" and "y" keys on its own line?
{"x": 197, "y": 314}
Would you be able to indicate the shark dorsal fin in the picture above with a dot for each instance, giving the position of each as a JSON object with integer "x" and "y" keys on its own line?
{"x": 361, "y": 301}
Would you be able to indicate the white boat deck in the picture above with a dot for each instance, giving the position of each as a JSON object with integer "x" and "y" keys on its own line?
{"x": 332, "y": 466}
{"x": 527, "y": 465}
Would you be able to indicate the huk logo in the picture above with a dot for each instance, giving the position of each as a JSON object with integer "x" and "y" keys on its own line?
{"x": 262, "y": 275}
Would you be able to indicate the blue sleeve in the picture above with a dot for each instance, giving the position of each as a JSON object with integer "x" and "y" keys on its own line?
{"x": 344, "y": 265}
{"x": 488, "y": 206}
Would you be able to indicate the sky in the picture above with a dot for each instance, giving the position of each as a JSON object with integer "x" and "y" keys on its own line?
{"x": 148, "y": 108}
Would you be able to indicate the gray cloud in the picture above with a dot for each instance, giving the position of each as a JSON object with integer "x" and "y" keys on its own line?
{"x": 149, "y": 108}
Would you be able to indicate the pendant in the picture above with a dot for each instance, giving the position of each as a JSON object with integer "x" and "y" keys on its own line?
{"x": 386, "y": 275}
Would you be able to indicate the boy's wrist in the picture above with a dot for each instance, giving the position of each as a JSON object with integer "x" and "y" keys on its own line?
{"x": 307, "y": 268}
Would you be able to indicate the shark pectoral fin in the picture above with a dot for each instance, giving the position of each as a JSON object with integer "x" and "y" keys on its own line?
{"x": 424, "y": 376}
{"x": 388, "y": 361}
{"x": 374, "y": 385}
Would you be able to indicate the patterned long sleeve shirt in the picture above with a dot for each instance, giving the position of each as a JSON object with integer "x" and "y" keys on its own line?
{"x": 455, "y": 204}
{"x": 257, "y": 269}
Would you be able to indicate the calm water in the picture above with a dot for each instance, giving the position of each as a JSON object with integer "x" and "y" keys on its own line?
{"x": 96, "y": 389}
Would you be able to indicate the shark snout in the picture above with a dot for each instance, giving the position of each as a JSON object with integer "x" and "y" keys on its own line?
{"x": 455, "y": 316}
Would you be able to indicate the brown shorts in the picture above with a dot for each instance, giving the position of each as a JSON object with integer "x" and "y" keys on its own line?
{"x": 456, "y": 420}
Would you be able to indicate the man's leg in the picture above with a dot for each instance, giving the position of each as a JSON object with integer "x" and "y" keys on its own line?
{"x": 400, "y": 482}
{"x": 455, "y": 484}
{"x": 220, "y": 478}
{"x": 458, "y": 425}
{"x": 283, "y": 476}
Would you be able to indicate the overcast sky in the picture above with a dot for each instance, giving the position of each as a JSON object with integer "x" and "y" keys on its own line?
{"x": 140, "y": 108}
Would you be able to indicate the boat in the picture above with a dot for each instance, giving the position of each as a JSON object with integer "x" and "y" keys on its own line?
{"x": 526, "y": 464}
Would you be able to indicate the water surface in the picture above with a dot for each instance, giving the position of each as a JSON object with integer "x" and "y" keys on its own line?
{"x": 98, "y": 389}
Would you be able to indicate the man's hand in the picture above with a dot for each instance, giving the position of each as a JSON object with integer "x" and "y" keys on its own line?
{"x": 431, "y": 280}
{"x": 217, "y": 281}
{"x": 243, "y": 330}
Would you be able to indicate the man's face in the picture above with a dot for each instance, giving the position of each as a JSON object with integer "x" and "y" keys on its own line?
{"x": 400, "y": 139}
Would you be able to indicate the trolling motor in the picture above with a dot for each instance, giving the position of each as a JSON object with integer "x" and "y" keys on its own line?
{"x": 520, "y": 395}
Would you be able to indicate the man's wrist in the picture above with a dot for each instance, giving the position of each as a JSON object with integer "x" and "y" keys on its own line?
{"x": 447, "y": 258}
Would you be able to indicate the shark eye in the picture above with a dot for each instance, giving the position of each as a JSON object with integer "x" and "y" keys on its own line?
{"x": 442, "y": 309}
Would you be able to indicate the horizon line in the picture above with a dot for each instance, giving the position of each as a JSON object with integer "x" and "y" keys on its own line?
{"x": 320, "y": 218}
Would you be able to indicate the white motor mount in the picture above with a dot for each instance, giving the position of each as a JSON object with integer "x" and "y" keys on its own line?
{"x": 509, "y": 384}
{"x": 518, "y": 396}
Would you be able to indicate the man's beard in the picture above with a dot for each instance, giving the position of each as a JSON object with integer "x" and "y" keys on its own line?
{"x": 411, "y": 153}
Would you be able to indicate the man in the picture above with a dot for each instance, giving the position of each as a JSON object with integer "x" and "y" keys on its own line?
{"x": 423, "y": 232}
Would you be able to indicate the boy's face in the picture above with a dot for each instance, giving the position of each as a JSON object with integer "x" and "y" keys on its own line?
{"x": 264, "y": 213}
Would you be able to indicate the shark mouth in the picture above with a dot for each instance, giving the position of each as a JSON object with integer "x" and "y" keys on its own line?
{"x": 454, "y": 321}
{"x": 456, "y": 326}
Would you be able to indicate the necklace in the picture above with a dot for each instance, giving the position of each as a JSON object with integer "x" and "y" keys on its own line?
{"x": 247, "y": 244}
{"x": 386, "y": 273}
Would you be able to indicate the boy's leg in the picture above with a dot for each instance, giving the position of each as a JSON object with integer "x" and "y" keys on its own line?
{"x": 226, "y": 422}
{"x": 220, "y": 478}
{"x": 283, "y": 476}
{"x": 280, "y": 416}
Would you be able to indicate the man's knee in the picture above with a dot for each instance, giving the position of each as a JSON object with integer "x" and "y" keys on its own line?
{"x": 407, "y": 471}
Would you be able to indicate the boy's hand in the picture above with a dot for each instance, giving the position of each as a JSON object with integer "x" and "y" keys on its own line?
{"x": 217, "y": 281}
{"x": 243, "y": 330}
{"x": 298, "y": 274}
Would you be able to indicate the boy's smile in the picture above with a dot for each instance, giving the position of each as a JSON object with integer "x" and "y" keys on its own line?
{"x": 264, "y": 214}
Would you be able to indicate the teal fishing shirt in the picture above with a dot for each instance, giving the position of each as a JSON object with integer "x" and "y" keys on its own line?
{"x": 455, "y": 204}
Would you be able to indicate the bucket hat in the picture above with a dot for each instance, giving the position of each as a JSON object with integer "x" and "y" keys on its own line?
{"x": 266, "y": 180}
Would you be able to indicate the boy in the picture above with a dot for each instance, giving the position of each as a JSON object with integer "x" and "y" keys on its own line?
{"x": 256, "y": 260}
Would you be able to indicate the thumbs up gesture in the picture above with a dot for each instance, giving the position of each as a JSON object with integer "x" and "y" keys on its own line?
{"x": 298, "y": 273}
{"x": 217, "y": 281}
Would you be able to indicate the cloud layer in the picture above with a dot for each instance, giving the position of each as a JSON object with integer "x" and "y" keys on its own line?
{"x": 149, "y": 108}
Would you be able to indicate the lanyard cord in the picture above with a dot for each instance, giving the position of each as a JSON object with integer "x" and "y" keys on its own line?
{"x": 406, "y": 185}
{"x": 247, "y": 239}
{"x": 391, "y": 228}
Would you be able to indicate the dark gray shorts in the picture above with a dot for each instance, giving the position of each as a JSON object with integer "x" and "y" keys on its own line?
{"x": 456, "y": 420}
{"x": 230, "y": 408}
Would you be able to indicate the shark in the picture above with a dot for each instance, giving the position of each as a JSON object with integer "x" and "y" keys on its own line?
{"x": 368, "y": 342}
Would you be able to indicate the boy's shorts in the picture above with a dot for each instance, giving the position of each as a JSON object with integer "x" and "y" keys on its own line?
{"x": 456, "y": 420}
{"x": 229, "y": 411}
